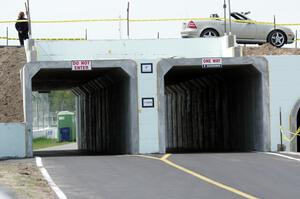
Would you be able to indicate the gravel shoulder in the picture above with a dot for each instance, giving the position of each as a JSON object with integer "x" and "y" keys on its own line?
{"x": 268, "y": 49}
{"x": 24, "y": 179}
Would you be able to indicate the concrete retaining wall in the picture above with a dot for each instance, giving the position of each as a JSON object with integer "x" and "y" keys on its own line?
{"x": 12, "y": 140}
{"x": 130, "y": 49}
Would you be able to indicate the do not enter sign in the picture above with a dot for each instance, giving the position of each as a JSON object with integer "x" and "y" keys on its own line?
{"x": 81, "y": 65}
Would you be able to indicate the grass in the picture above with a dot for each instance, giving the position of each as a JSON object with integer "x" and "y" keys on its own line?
{"x": 40, "y": 143}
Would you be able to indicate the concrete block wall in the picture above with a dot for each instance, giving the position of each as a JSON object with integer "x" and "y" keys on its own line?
{"x": 12, "y": 140}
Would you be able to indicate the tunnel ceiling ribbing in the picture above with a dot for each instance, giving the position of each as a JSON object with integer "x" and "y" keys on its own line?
{"x": 213, "y": 109}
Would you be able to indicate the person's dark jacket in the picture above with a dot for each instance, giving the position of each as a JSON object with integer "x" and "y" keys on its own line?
{"x": 22, "y": 27}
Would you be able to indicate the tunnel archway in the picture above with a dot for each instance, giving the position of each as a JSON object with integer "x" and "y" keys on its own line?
{"x": 298, "y": 125}
{"x": 294, "y": 125}
{"x": 106, "y": 102}
{"x": 213, "y": 109}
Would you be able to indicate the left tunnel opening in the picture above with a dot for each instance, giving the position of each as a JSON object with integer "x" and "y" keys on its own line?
{"x": 103, "y": 106}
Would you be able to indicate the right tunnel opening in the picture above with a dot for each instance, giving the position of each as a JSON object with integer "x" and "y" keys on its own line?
{"x": 213, "y": 109}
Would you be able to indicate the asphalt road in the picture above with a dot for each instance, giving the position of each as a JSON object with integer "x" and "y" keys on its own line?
{"x": 115, "y": 177}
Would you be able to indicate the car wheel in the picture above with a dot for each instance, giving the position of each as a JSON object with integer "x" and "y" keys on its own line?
{"x": 209, "y": 33}
{"x": 277, "y": 38}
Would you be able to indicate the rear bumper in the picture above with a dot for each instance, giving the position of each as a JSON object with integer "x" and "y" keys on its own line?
{"x": 290, "y": 38}
{"x": 190, "y": 33}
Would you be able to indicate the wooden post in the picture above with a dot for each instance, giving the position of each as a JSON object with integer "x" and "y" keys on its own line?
{"x": 274, "y": 22}
{"x": 86, "y": 34}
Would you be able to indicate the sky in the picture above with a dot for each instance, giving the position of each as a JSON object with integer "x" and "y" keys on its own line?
{"x": 287, "y": 12}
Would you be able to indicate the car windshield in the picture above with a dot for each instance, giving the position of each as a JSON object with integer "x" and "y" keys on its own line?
{"x": 239, "y": 16}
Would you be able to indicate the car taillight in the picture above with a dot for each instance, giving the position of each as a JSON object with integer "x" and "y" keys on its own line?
{"x": 192, "y": 24}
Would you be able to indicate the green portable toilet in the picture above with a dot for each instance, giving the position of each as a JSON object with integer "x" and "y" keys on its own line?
{"x": 66, "y": 126}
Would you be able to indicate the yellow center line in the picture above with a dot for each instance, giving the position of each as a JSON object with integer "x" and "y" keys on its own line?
{"x": 165, "y": 156}
{"x": 145, "y": 156}
{"x": 199, "y": 176}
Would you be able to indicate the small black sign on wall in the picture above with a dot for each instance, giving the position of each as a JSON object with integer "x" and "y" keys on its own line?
{"x": 146, "y": 68}
{"x": 148, "y": 102}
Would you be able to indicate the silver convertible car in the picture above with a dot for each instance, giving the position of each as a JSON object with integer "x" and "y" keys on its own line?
{"x": 245, "y": 29}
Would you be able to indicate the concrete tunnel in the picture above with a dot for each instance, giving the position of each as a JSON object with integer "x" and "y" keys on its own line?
{"x": 214, "y": 109}
{"x": 106, "y": 102}
{"x": 199, "y": 109}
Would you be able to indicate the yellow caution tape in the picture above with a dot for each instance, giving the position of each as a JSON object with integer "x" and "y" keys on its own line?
{"x": 59, "y": 39}
{"x": 8, "y": 38}
{"x": 109, "y": 20}
{"x": 288, "y": 24}
{"x": 134, "y": 20}
{"x": 297, "y": 133}
{"x": 66, "y": 21}
{"x": 13, "y": 21}
{"x": 145, "y": 20}
{"x": 173, "y": 19}
{"x": 79, "y": 20}
{"x": 46, "y": 39}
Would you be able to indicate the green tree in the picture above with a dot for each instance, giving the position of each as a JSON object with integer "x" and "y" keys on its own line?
{"x": 62, "y": 101}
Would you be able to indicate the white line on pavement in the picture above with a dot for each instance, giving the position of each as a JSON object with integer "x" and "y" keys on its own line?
{"x": 283, "y": 156}
{"x": 47, "y": 177}
{"x": 290, "y": 153}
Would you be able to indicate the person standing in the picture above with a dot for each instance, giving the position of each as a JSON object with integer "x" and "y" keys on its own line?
{"x": 22, "y": 28}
